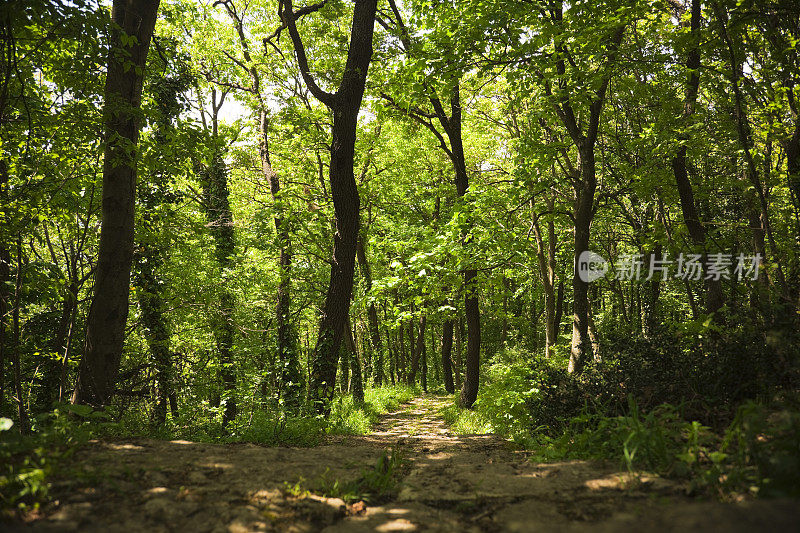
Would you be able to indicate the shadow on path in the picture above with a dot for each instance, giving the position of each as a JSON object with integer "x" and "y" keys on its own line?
{"x": 452, "y": 483}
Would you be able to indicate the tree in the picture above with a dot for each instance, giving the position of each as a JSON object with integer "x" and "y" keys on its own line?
{"x": 344, "y": 104}
{"x": 133, "y": 25}
{"x": 451, "y": 125}
{"x": 714, "y": 295}
{"x": 287, "y": 345}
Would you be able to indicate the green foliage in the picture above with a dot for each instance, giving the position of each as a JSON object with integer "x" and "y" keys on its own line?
{"x": 350, "y": 418}
{"x": 465, "y": 421}
{"x": 29, "y": 461}
{"x": 707, "y": 376}
{"x": 375, "y": 485}
{"x": 759, "y": 453}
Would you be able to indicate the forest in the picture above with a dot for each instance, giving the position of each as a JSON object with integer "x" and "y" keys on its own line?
{"x": 272, "y": 265}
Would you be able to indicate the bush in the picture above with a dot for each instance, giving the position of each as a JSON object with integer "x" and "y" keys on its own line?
{"x": 706, "y": 376}
{"x": 28, "y": 461}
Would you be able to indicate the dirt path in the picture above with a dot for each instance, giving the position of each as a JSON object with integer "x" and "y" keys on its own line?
{"x": 451, "y": 483}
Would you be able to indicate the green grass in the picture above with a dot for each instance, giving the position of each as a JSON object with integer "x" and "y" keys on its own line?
{"x": 465, "y": 421}
{"x": 349, "y": 418}
{"x": 376, "y": 484}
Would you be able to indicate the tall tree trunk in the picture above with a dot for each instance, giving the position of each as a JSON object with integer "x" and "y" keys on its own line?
{"x": 452, "y": 127}
{"x": 105, "y": 328}
{"x": 290, "y": 376}
{"x": 5, "y": 293}
{"x": 372, "y": 314}
{"x": 345, "y": 355}
{"x": 345, "y": 105}
{"x": 651, "y": 290}
{"x": 585, "y": 183}
{"x": 22, "y": 412}
{"x": 447, "y": 348}
{"x": 356, "y": 379}
{"x": 559, "y": 308}
{"x": 792, "y": 150}
{"x": 715, "y": 298}
{"x": 391, "y": 353}
{"x": 220, "y": 222}
{"x": 457, "y": 370}
{"x": 744, "y": 134}
{"x": 424, "y": 365}
{"x": 547, "y": 262}
{"x": 583, "y": 213}
{"x": 401, "y": 354}
{"x": 419, "y": 349}
{"x": 155, "y": 325}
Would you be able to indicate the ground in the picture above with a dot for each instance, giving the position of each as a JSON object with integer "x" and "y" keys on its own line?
{"x": 447, "y": 483}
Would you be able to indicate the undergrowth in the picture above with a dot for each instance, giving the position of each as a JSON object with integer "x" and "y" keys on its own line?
{"x": 753, "y": 450}
{"x": 375, "y": 485}
{"x": 28, "y": 462}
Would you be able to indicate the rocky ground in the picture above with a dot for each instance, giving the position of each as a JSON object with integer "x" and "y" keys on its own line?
{"x": 447, "y": 483}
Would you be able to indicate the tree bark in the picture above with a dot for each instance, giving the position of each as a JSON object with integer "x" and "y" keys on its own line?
{"x": 419, "y": 348}
{"x": 715, "y": 298}
{"x": 583, "y": 214}
{"x": 585, "y": 186}
{"x": 22, "y": 412}
{"x": 105, "y": 329}
{"x": 156, "y": 328}
{"x": 220, "y": 222}
{"x": 452, "y": 127}
{"x": 447, "y": 349}
{"x": 559, "y": 308}
{"x": 547, "y": 264}
{"x": 356, "y": 379}
{"x": 5, "y": 294}
{"x": 345, "y": 105}
{"x": 290, "y": 376}
{"x": 372, "y": 314}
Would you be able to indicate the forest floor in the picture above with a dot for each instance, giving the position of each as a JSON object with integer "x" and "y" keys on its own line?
{"x": 446, "y": 483}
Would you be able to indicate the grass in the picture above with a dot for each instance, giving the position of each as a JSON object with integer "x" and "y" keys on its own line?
{"x": 376, "y": 484}
{"x": 465, "y": 421}
{"x": 350, "y": 418}
{"x": 27, "y": 463}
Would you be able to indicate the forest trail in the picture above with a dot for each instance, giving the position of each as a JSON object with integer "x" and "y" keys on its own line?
{"x": 448, "y": 483}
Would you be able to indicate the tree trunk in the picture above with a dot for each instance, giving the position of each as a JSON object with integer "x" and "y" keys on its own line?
{"x": 452, "y": 127}
{"x": 356, "y": 379}
{"x": 105, "y": 328}
{"x": 391, "y": 353}
{"x": 290, "y": 376}
{"x": 372, "y": 314}
{"x": 22, "y": 412}
{"x": 715, "y": 298}
{"x": 559, "y": 308}
{"x": 459, "y": 351}
{"x": 5, "y": 294}
{"x": 583, "y": 213}
{"x": 220, "y": 222}
{"x": 419, "y": 350}
{"x": 547, "y": 263}
{"x": 345, "y": 105}
{"x": 156, "y": 328}
{"x": 424, "y": 357}
{"x": 447, "y": 348}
